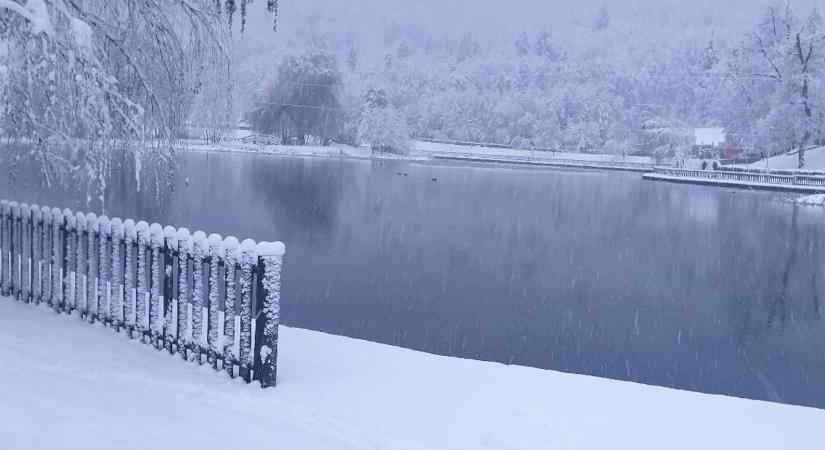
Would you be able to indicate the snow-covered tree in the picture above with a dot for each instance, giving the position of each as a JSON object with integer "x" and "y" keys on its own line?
{"x": 382, "y": 127}
{"x": 523, "y": 44}
{"x": 667, "y": 138}
{"x": 352, "y": 58}
{"x": 545, "y": 47}
{"x": 710, "y": 57}
{"x": 304, "y": 101}
{"x": 90, "y": 83}
{"x": 777, "y": 83}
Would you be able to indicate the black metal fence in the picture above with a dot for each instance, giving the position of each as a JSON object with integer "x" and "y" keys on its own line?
{"x": 208, "y": 299}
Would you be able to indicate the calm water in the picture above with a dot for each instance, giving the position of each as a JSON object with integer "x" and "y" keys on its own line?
{"x": 588, "y": 272}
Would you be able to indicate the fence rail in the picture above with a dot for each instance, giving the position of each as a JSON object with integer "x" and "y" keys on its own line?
{"x": 542, "y": 161}
{"x": 152, "y": 283}
{"x": 765, "y": 178}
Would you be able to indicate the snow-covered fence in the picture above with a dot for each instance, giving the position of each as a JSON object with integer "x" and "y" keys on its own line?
{"x": 151, "y": 283}
{"x": 749, "y": 177}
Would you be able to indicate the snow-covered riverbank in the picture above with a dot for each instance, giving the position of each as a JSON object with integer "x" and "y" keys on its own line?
{"x": 425, "y": 151}
{"x": 814, "y": 160}
{"x": 65, "y": 384}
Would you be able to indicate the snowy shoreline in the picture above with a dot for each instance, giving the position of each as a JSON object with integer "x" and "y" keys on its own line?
{"x": 444, "y": 152}
{"x": 97, "y": 390}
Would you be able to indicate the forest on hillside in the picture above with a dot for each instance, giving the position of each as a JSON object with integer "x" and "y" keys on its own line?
{"x": 590, "y": 76}
{"x": 86, "y": 84}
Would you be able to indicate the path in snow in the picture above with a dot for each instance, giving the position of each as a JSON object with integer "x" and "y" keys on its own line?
{"x": 65, "y": 384}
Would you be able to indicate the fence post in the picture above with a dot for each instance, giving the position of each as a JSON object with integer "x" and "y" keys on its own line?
{"x": 31, "y": 247}
{"x": 216, "y": 254}
{"x": 155, "y": 302}
{"x": 80, "y": 261}
{"x": 4, "y": 246}
{"x": 46, "y": 255}
{"x": 92, "y": 231}
{"x": 231, "y": 246}
{"x": 58, "y": 225}
{"x": 249, "y": 258}
{"x": 184, "y": 252}
{"x": 104, "y": 273}
{"x": 170, "y": 248}
{"x": 270, "y": 261}
{"x": 15, "y": 251}
{"x": 26, "y": 253}
{"x": 85, "y": 263}
{"x": 198, "y": 294}
{"x": 141, "y": 312}
{"x": 116, "y": 289}
{"x": 69, "y": 272}
{"x": 129, "y": 242}
{"x": 37, "y": 251}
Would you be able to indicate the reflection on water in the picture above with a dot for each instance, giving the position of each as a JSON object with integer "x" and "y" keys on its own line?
{"x": 586, "y": 272}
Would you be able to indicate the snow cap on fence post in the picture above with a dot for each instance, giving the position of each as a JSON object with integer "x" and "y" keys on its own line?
{"x": 199, "y": 239}
{"x": 231, "y": 245}
{"x": 57, "y": 216}
{"x": 271, "y": 253}
{"x": 37, "y": 213}
{"x": 118, "y": 231}
{"x": 71, "y": 221}
{"x": 129, "y": 230}
{"x": 142, "y": 227}
{"x": 25, "y": 211}
{"x": 249, "y": 248}
{"x": 156, "y": 235}
{"x": 91, "y": 221}
{"x": 184, "y": 239}
{"x": 46, "y": 212}
{"x": 15, "y": 209}
{"x": 271, "y": 249}
{"x": 105, "y": 226}
{"x": 80, "y": 221}
{"x": 170, "y": 235}
{"x": 215, "y": 245}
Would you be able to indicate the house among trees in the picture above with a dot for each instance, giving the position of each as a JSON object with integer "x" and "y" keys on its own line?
{"x": 708, "y": 142}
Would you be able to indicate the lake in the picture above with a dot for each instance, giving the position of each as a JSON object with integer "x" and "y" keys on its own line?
{"x": 589, "y": 272}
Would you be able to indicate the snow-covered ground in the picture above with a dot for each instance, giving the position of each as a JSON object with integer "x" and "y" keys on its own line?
{"x": 334, "y": 150}
{"x": 423, "y": 151}
{"x": 814, "y": 160}
{"x": 428, "y": 148}
{"x": 65, "y": 384}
